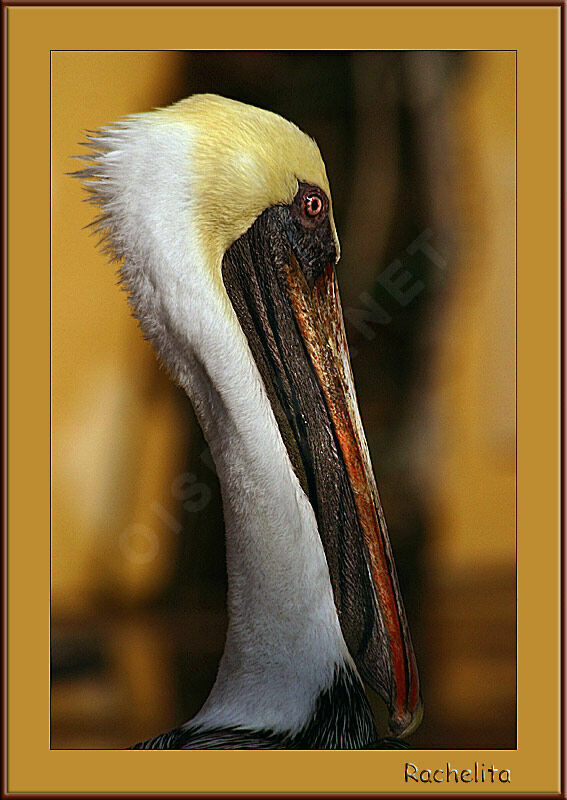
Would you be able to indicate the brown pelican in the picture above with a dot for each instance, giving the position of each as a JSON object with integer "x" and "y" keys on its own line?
{"x": 222, "y": 218}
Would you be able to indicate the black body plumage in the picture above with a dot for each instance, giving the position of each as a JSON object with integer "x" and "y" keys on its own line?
{"x": 342, "y": 720}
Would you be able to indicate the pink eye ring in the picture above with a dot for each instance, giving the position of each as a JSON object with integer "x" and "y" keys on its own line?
{"x": 312, "y": 205}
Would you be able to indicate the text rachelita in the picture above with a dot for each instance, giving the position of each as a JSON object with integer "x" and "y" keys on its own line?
{"x": 477, "y": 773}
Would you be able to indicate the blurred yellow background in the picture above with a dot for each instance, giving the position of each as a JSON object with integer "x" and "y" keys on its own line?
{"x": 420, "y": 150}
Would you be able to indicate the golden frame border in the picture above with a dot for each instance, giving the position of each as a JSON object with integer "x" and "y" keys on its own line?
{"x": 31, "y": 33}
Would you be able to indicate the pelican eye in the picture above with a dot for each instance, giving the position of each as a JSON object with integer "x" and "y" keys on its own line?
{"x": 313, "y": 204}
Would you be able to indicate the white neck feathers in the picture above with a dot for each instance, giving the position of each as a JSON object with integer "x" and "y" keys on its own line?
{"x": 284, "y": 639}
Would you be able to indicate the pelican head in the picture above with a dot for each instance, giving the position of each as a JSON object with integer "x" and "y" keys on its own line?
{"x": 221, "y": 216}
